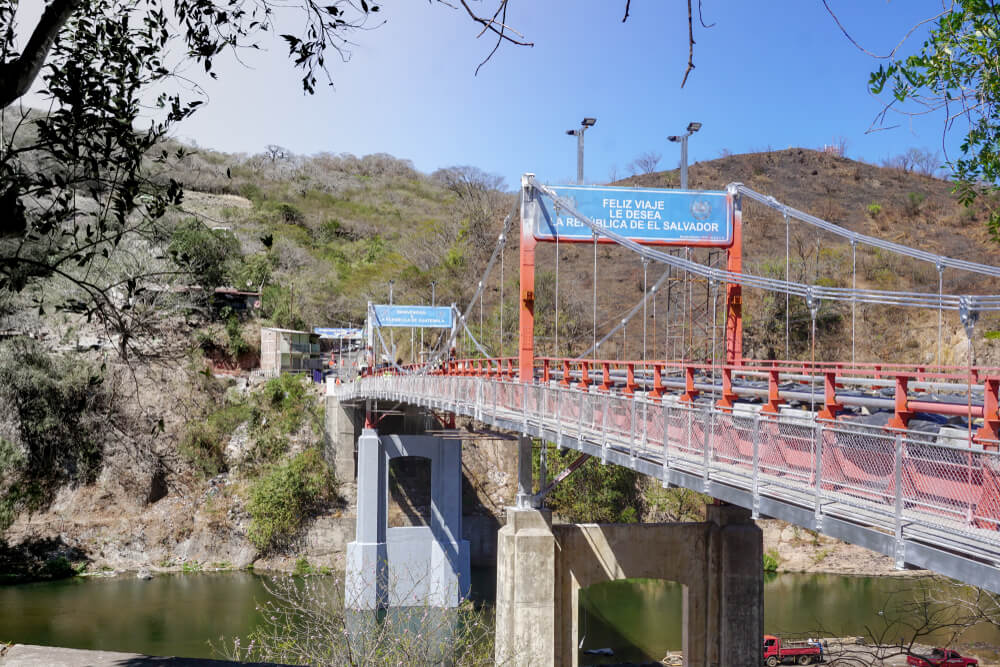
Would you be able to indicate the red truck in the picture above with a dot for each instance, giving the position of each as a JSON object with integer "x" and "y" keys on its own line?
{"x": 940, "y": 657}
{"x": 777, "y": 652}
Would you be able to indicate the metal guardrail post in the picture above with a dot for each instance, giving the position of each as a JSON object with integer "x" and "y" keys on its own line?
{"x": 755, "y": 512}
{"x": 604, "y": 428}
{"x": 631, "y": 441}
{"x": 666, "y": 443}
{"x": 645, "y": 426}
{"x": 898, "y": 478}
{"x": 539, "y": 392}
{"x": 818, "y": 451}
{"x": 524, "y": 405}
{"x": 559, "y": 419}
{"x": 479, "y": 399}
{"x": 709, "y": 425}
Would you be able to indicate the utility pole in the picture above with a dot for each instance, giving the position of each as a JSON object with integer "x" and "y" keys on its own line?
{"x": 585, "y": 124}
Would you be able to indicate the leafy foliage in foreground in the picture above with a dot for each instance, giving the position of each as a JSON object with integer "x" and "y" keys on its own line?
{"x": 53, "y": 414}
{"x": 954, "y": 72}
{"x": 306, "y": 623}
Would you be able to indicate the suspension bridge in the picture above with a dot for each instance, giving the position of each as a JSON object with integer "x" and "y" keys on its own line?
{"x": 901, "y": 458}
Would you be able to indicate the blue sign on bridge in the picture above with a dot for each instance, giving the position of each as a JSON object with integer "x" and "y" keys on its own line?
{"x": 437, "y": 317}
{"x": 648, "y": 216}
{"x": 338, "y": 332}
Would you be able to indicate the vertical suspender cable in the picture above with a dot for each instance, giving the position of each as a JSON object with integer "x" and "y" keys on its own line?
{"x": 555, "y": 345}
{"x": 854, "y": 299}
{"x": 813, "y": 307}
{"x": 624, "y": 338}
{"x": 595, "y": 295}
{"x": 500, "y": 346}
{"x": 645, "y": 292}
{"x": 787, "y": 279}
{"x": 715, "y": 323}
{"x": 688, "y": 301}
{"x": 940, "y": 269}
{"x": 670, "y": 341}
{"x": 654, "y": 319}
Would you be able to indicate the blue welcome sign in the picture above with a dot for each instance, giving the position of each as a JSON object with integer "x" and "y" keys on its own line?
{"x": 436, "y": 317}
{"x": 338, "y": 332}
{"x": 648, "y": 216}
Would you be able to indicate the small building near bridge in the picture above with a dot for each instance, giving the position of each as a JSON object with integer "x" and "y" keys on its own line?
{"x": 288, "y": 350}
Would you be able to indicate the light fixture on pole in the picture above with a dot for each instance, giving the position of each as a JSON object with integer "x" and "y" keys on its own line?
{"x": 683, "y": 139}
{"x": 585, "y": 124}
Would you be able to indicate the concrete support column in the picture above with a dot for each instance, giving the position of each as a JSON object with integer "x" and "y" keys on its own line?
{"x": 343, "y": 426}
{"x": 525, "y": 489}
{"x": 526, "y": 598}
{"x": 366, "y": 583}
{"x": 738, "y": 583}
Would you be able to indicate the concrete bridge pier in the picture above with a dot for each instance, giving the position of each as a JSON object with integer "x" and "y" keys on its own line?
{"x": 412, "y": 566}
{"x": 343, "y": 426}
{"x": 541, "y": 568}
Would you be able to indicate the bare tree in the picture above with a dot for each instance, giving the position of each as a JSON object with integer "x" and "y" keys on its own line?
{"x": 481, "y": 202}
{"x": 276, "y": 153}
{"x": 613, "y": 173}
{"x": 645, "y": 163}
{"x": 916, "y": 161}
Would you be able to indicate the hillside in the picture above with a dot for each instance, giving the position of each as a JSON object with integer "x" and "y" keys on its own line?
{"x": 320, "y": 236}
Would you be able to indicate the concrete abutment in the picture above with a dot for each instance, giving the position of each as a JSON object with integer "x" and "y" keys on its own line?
{"x": 541, "y": 568}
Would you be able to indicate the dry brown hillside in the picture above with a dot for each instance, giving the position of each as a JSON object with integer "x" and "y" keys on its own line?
{"x": 903, "y": 207}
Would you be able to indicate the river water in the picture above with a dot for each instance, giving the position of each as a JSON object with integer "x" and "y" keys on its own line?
{"x": 640, "y": 619}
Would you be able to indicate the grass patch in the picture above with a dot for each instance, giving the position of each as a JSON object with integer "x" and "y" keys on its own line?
{"x": 771, "y": 560}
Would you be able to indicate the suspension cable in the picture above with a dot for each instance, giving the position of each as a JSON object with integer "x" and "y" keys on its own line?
{"x": 628, "y": 316}
{"x": 882, "y": 297}
{"x": 445, "y": 343}
{"x": 949, "y": 262}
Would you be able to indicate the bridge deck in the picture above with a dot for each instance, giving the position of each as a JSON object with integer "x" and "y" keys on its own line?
{"x": 906, "y": 494}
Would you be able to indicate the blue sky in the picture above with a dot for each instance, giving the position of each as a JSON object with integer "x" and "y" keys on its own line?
{"x": 769, "y": 74}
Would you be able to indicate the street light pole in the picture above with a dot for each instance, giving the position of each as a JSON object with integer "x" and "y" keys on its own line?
{"x": 392, "y": 334}
{"x": 683, "y": 139}
{"x": 585, "y": 124}
{"x": 433, "y": 283}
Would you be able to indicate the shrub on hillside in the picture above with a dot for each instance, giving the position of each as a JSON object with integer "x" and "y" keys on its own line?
{"x": 278, "y": 305}
{"x": 204, "y": 442}
{"x": 53, "y": 412}
{"x": 595, "y": 493}
{"x": 205, "y": 253}
{"x": 283, "y": 496}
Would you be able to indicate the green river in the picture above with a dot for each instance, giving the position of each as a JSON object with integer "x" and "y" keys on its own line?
{"x": 180, "y": 614}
